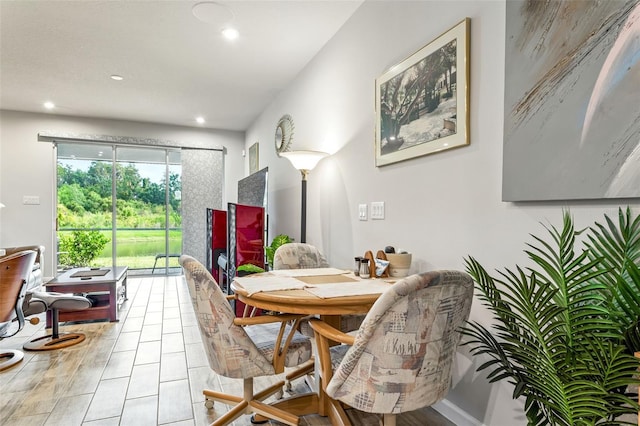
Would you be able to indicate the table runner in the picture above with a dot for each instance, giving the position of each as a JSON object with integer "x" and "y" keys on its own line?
{"x": 308, "y": 272}
{"x": 340, "y": 289}
{"x": 269, "y": 283}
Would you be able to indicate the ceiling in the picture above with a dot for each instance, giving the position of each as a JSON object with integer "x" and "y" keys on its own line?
{"x": 175, "y": 66}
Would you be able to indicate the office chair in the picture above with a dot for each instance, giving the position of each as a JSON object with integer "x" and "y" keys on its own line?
{"x": 306, "y": 256}
{"x": 263, "y": 347}
{"x": 402, "y": 356}
{"x": 14, "y": 273}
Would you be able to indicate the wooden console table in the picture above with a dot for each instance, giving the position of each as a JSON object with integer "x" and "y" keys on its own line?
{"x": 107, "y": 292}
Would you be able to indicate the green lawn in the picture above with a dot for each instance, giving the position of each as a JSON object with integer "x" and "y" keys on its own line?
{"x": 137, "y": 248}
{"x": 135, "y": 262}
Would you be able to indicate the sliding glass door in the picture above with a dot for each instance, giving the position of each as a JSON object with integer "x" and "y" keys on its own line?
{"x": 148, "y": 210}
{"x": 130, "y": 196}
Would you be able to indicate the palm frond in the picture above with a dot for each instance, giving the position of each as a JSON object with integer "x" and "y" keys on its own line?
{"x": 556, "y": 335}
{"x": 617, "y": 247}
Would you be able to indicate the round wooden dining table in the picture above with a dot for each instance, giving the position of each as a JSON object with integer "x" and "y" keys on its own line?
{"x": 304, "y": 302}
{"x": 301, "y": 301}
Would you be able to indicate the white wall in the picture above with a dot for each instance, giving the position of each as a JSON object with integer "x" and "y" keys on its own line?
{"x": 441, "y": 207}
{"x": 27, "y": 168}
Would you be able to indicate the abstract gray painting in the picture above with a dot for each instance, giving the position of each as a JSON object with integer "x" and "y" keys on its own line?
{"x": 572, "y": 100}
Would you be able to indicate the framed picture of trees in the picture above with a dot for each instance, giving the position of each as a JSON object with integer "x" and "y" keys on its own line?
{"x": 422, "y": 103}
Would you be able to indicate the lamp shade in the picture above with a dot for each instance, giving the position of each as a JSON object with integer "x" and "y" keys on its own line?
{"x": 304, "y": 160}
{"x": 1, "y": 205}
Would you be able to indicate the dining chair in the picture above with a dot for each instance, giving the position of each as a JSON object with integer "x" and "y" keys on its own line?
{"x": 243, "y": 348}
{"x": 298, "y": 256}
{"x": 306, "y": 256}
{"x": 14, "y": 274}
{"x": 402, "y": 355}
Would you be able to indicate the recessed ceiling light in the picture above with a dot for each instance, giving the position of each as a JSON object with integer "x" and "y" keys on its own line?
{"x": 230, "y": 33}
{"x": 117, "y": 77}
{"x": 213, "y": 13}
{"x": 49, "y": 105}
{"x": 200, "y": 120}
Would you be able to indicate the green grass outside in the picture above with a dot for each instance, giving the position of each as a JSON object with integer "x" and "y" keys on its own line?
{"x": 137, "y": 248}
{"x": 144, "y": 262}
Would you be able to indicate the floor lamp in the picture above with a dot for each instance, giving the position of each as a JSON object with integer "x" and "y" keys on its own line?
{"x": 304, "y": 161}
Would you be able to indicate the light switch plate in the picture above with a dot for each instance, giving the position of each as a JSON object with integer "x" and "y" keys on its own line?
{"x": 30, "y": 199}
{"x": 362, "y": 211}
{"x": 377, "y": 210}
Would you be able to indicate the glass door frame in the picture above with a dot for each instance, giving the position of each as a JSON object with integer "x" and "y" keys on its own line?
{"x": 114, "y": 147}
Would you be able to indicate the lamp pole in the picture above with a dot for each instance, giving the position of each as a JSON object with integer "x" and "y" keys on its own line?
{"x": 303, "y": 209}
{"x": 304, "y": 161}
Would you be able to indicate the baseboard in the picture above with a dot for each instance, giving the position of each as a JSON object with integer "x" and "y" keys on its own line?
{"x": 455, "y": 414}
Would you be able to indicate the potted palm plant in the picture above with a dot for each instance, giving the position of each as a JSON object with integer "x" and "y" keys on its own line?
{"x": 562, "y": 325}
{"x": 270, "y": 250}
{"x": 277, "y": 241}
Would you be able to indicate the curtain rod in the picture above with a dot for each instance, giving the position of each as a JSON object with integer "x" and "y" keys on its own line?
{"x": 122, "y": 140}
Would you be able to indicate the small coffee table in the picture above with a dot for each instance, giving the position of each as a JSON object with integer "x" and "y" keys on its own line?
{"x": 107, "y": 288}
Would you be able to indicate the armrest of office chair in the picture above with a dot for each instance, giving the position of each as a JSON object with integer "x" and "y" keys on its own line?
{"x": 289, "y": 325}
{"x": 266, "y": 319}
{"x": 330, "y": 333}
{"x": 324, "y": 334}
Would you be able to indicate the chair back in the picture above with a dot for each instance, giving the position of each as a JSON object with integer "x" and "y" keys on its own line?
{"x": 230, "y": 351}
{"x": 34, "y": 280}
{"x": 403, "y": 353}
{"x": 298, "y": 256}
{"x": 14, "y": 272}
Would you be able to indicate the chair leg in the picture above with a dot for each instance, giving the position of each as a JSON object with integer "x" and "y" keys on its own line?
{"x": 232, "y": 414}
{"x": 220, "y": 397}
{"x": 336, "y": 413}
{"x": 155, "y": 262}
{"x": 389, "y": 420}
{"x": 266, "y": 393}
{"x": 250, "y": 403}
{"x": 55, "y": 324}
{"x": 274, "y": 413}
{"x": 302, "y": 370}
{"x": 55, "y": 340}
{"x": 9, "y": 358}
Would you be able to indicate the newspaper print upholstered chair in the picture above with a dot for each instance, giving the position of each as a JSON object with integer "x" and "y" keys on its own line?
{"x": 14, "y": 272}
{"x": 263, "y": 347}
{"x": 401, "y": 358}
{"x": 306, "y": 256}
{"x": 298, "y": 256}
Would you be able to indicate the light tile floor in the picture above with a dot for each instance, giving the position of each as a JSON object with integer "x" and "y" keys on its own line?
{"x": 148, "y": 369}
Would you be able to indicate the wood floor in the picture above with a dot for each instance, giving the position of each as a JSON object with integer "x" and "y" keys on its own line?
{"x": 149, "y": 368}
